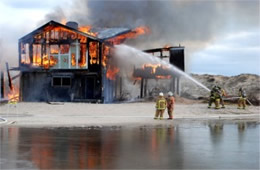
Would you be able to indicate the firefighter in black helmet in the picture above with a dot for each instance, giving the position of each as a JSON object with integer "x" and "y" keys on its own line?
{"x": 211, "y": 98}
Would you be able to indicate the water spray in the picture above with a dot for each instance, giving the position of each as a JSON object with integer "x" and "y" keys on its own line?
{"x": 129, "y": 55}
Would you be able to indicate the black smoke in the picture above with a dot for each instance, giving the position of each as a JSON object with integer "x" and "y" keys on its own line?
{"x": 171, "y": 22}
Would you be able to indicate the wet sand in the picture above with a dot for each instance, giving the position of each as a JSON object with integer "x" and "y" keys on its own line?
{"x": 123, "y": 115}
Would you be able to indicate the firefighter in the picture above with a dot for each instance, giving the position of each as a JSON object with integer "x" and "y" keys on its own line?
{"x": 211, "y": 98}
{"x": 222, "y": 94}
{"x": 217, "y": 95}
{"x": 170, "y": 104}
{"x": 242, "y": 99}
{"x": 160, "y": 106}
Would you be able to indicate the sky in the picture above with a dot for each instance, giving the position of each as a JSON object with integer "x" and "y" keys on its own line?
{"x": 221, "y": 38}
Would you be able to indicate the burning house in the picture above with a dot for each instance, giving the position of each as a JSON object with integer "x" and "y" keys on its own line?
{"x": 66, "y": 62}
{"x": 60, "y": 62}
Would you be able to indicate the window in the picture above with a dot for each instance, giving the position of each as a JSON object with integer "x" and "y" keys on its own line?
{"x": 61, "y": 81}
{"x": 56, "y": 81}
{"x": 66, "y": 81}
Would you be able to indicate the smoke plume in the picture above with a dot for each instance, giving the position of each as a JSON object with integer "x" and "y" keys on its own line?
{"x": 171, "y": 22}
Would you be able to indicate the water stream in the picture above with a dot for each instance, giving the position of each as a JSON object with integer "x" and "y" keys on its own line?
{"x": 127, "y": 55}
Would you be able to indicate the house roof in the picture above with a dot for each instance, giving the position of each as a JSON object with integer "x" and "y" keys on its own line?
{"x": 54, "y": 23}
{"x": 107, "y": 33}
{"x": 103, "y": 33}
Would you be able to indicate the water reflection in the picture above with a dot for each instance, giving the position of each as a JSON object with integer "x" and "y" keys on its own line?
{"x": 216, "y": 132}
{"x": 213, "y": 146}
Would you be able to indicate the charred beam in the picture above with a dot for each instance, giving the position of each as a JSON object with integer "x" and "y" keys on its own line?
{"x": 9, "y": 77}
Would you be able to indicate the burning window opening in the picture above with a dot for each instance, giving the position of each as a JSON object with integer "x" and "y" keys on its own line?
{"x": 94, "y": 53}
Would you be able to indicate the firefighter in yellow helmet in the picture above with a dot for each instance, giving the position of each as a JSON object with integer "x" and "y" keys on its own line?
{"x": 242, "y": 99}
{"x": 160, "y": 106}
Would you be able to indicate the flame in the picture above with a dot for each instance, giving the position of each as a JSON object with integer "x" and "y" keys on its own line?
{"x": 82, "y": 61}
{"x": 93, "y": 53}
{"x": 86, "y": 29}
{"x": 13, "y": 95}
{"x": 53, "y": 61}
{"x": 105, "y": 55}
{"x": 157, "y": 71}
{"x": 152, "y": 66}
{"x": 54, "y": 51}
{"x": 166, "y": 46}
{"x": 63, "y": 21}
{"x": 163, "y": 77}
{"x": 133, "y": 34}
{"x": 111, "y": 72}
{"x": 73, "y": 59}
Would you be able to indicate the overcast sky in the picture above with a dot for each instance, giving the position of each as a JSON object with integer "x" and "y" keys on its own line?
{"x": 230, "y": 51}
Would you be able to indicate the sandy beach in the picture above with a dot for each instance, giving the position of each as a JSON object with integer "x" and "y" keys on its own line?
{"x": 122, "y": 115}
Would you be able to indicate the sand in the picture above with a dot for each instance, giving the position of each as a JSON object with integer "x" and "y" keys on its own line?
{"x": 115, "y": 115}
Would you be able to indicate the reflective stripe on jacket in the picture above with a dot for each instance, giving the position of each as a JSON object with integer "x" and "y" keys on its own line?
{"x": 161, "y": 103}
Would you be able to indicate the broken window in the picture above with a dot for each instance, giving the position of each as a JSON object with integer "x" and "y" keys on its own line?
{"x": 83, "y": 53}
{"x": 25, "y": 59}
{"x": 54, "y": 55}
{"x": 73, "y": 50}
{"x": 64, "y": 56}
{"x": 37, "y": 53}
{"x": 93, "y": 53}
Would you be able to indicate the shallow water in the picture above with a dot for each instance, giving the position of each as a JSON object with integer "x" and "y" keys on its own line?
{"x": 186, "y": 146}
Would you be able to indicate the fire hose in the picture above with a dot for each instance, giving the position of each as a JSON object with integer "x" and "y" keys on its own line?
{"x": 231, "y": 98}
{"x": 3, "y": 120}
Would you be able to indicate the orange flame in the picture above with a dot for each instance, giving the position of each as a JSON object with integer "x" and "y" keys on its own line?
{"x": 105, "y": 55}
{"x": 82, "y": 61}
{"x": 152, "y": 66}
{"x": 63, "y": 21}
{"x": 13, "y": 95}
{"x": 157, "y": 71}
{"x": 133, "y": 34}
{"x": 93, "y": 53}
{"x": 112, "y": 72}
{"x": 73, "y": 59}
{"x": 86, "y": 29}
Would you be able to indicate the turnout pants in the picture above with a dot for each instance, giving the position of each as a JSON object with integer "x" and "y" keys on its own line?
{"x": 170, "y": 112}
{"x": 242, "y": 103}
{"x": 159, "y": 113}
{"x": 211, "y": 100}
